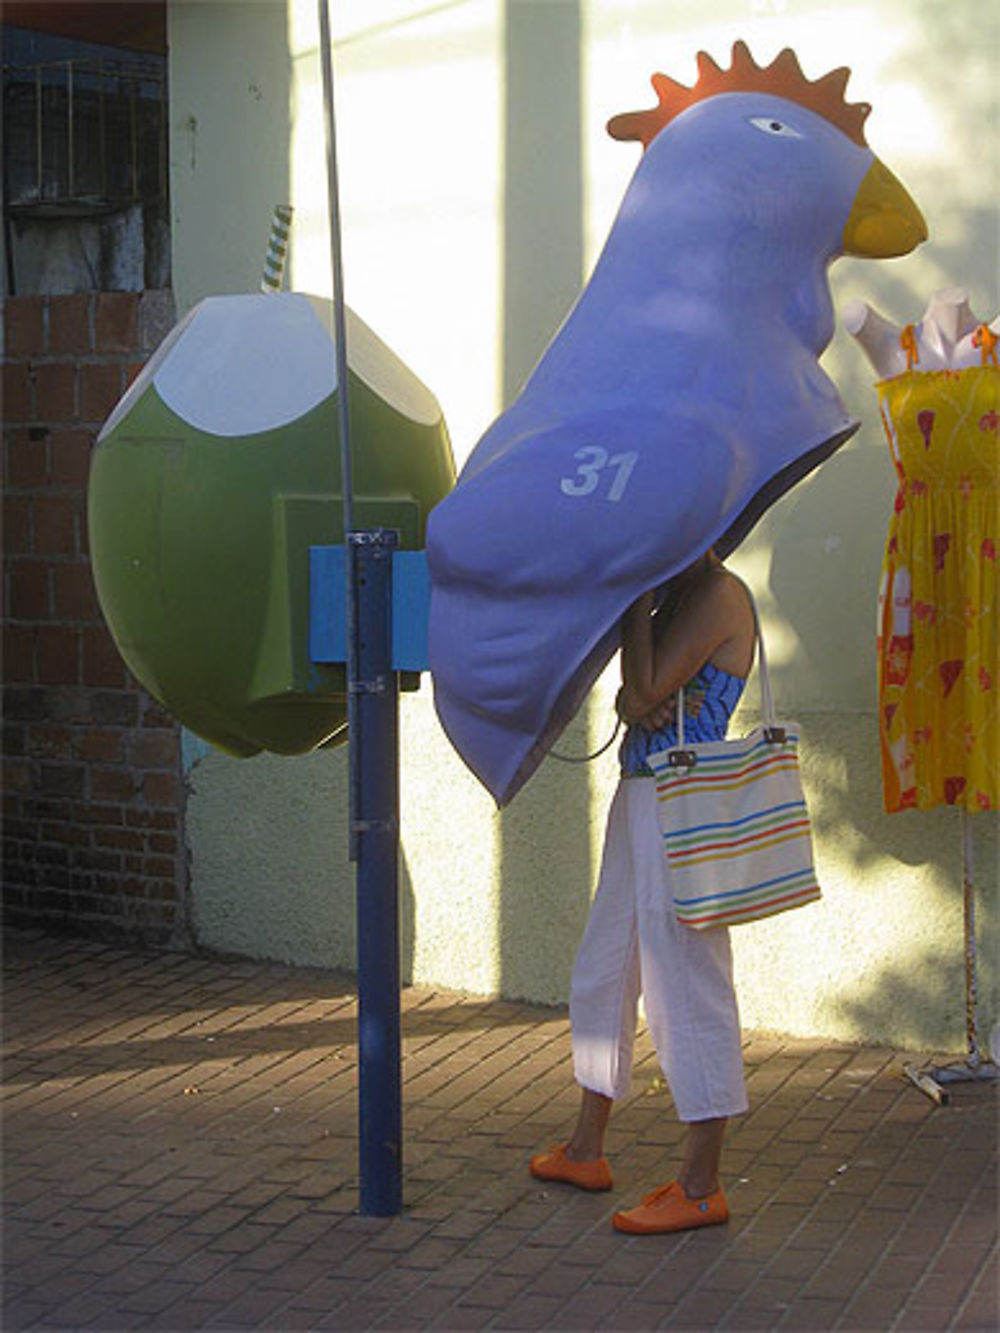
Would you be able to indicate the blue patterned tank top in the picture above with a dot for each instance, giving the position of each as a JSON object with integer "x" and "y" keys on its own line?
{"x": 710, "y": 698}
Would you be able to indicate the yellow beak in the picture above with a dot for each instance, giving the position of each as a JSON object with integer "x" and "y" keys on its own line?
{"x": 884, "y": 221}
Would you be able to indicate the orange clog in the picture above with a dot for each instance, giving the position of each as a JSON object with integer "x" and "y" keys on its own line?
{"x": 555, "y": 1165}
{"x": 669, "y": 1209}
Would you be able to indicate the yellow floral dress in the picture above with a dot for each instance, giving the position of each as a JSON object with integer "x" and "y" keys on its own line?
{"x": 939, "y": 673}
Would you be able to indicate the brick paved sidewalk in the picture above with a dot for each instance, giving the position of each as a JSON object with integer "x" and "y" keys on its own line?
{"x": 180, "y": 1154}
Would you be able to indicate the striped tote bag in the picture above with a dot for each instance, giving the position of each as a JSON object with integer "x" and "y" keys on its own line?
{"x": 734, "y": 822}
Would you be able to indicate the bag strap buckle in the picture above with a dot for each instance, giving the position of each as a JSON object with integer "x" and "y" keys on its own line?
{"x": 682, "y": 758}
{"x": 775, "y": 735}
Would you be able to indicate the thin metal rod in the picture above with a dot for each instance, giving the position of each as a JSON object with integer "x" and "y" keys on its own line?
{"x": 978, "y": 1067}
{"x": 102, "y": 132}
{"x": 969, "y": 920}
{"x": 339, "y": 334}
{"x": 163, "y": 150}
{"x": 336, "y": 263}
{"x": 133, "y": 134}
{"x": 39, "y": 167}
{"x": 70, "y": 136}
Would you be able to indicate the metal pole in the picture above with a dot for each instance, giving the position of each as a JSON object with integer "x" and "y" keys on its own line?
{"x": 39, "y": 144}
{"x": 70, "y": 137}
{"x": 336, "y": 264}
{"x": 133, "y": 135}
{"x": 975, "y": 1054}
{"x": 163, "y": 144}
{"x": 978, "y": 1067}
{"x": 102, "y": 134}
{"x": 373, "y": 722}
{"x": 376, "y": 737}
{"x": 339, "y": 335}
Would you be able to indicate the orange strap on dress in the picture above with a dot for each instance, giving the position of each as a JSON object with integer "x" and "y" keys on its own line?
{"x": 908, "y": 342}
{"x": 986, "y": 340}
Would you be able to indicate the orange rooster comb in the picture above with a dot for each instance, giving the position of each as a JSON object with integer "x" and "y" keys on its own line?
{"x": 782, "y": 78}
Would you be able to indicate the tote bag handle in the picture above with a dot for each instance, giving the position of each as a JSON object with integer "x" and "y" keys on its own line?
{"x": 772, "y": 732}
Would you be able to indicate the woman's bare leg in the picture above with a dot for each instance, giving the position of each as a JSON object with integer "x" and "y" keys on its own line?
{"x": 699, "y": 1172}
{"x": 587, "y": 1141}
{"x": 698, "y": 1202}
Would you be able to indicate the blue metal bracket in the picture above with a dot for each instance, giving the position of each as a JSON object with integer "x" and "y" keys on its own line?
{"x": 411, "y": 599}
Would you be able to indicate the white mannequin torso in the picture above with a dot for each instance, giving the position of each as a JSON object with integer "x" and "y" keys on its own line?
{"x": 944, "y": 336}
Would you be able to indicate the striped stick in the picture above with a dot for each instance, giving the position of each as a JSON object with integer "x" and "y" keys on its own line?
{"x": 277, "y": 249}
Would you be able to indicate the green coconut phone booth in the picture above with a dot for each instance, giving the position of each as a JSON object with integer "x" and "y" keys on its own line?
{"x": 211, "y": 480}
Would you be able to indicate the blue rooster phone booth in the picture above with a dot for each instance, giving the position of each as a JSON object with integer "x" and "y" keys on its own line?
{"x": 682, "y": 396}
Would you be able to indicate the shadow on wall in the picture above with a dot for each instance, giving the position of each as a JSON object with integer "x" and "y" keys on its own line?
{"x": 547, "y": 874}
{"x": 898, "y": 880}
{"x": 924, "y": 987}
{"x": 231, "y": 110}
{"x": 952, "y": 38}
{"x": 921, "y": 980}
{"x": 279, "y": 884}
{"x": 826, "y": 541}
{"x": 542, "y": 186}
{"x": 919, "y": 988}
{"x": 918, "y": 991}
{"x": 959, "y": 205}
{"x": 545, "y": 837}
{"x": 929, "y": 989}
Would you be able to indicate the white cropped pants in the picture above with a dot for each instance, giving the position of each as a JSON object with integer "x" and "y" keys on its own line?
{"x": 634, "y": 944}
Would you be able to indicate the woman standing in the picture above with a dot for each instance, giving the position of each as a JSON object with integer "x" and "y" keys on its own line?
{"x": 703, "y": 638}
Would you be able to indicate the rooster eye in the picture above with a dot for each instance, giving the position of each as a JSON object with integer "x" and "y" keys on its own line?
{"x": 768, "y": 125}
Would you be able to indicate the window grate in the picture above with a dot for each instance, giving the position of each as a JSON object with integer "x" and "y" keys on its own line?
{"x": 84, "y": 136}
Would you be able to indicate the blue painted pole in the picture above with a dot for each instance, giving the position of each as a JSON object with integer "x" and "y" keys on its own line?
{"x": 373, "y": 721}
{"x": 375, "y": 735}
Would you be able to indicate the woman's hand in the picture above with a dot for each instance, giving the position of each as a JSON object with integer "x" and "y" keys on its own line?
{"x": 659, "y": 716}
{"x": 662, "y": 715}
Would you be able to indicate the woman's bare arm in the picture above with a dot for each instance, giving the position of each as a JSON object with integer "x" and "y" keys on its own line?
{"x": 713, "y": 620}
{"x": 638, "y": 654}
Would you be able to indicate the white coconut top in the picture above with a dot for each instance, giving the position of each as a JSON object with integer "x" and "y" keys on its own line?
{"x": 241, "y": 365}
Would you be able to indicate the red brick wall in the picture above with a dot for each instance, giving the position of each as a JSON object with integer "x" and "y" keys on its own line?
{"x": 93, "y": 792}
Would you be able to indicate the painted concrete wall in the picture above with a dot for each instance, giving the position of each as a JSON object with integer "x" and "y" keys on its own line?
{"x": 444, "y": 120}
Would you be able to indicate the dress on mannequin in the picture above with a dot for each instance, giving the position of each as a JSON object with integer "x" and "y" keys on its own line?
{"x": 939, "y": 663}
